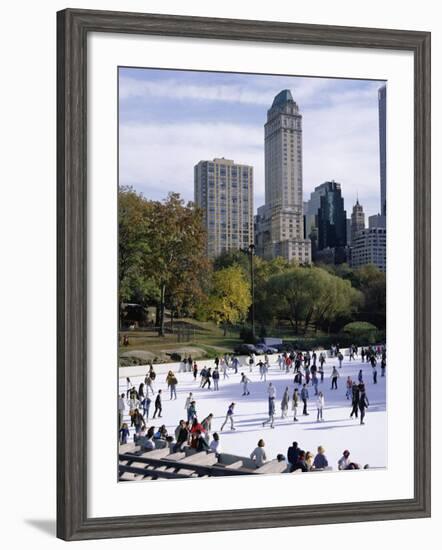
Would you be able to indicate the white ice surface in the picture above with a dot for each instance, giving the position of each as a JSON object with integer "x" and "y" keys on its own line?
{"x": 367, "y": 443}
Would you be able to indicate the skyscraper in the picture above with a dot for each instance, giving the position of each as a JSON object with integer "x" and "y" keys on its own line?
{"x": 357, "y": 221}
{"x": 382, "y": 103}
{"x": 327, "y": 222}
{"x": 224, "y": 191}
{"x": 280, "y": 222}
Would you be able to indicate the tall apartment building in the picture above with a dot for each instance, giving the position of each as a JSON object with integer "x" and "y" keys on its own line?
{"x": 382, "y": 109}
{"x": 224, "y": 191}
{"x": 357, "y": 221}
{"x": 280, "y": 223}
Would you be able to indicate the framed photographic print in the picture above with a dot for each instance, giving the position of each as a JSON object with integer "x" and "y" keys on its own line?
{"x": 243, "y": 274}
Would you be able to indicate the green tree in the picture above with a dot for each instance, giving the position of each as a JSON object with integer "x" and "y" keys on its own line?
{"x": 310, "y": 296}
{"x": 371, "y": 281}
{"x": 133, "y": 246}
{"x": 229, "y": 299}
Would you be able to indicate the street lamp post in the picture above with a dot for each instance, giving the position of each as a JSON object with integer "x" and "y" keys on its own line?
{"x": 252, "y": 287}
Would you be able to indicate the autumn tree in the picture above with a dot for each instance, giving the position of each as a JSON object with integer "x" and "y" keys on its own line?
{"x": 229, "y": 299}
{"x": 162, "y": 251}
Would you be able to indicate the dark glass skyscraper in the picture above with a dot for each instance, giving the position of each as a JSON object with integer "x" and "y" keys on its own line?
{"x": 331, "y": 219}
{"x": 327, "y": 223}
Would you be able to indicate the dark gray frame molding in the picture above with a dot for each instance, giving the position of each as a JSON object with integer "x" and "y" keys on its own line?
{"x": 73, "y": 27}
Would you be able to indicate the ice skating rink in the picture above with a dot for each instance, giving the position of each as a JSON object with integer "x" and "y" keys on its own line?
{"x": 367, "y": 443}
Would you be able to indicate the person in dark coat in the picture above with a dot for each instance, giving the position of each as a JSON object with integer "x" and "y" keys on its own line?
{"x": 301, "y": 464}
{"x": 354, "y": 400}
{"x": 182, "y": 435}
{"x": 158, "y": 405}
{"x": 304, "y": 397}
{"x": 363, "y": 404}
{"x": 293, "y": 454}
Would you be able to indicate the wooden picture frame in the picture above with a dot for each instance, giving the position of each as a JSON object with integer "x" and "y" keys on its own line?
{"x": 73, "y": 27}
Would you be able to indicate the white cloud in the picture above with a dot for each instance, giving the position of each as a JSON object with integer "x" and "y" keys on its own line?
{"x": 162, "y": 157}
{"x": 340, "y": 138}
{"x": 257, "y": 90}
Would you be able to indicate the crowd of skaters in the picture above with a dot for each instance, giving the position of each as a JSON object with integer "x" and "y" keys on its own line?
{"x": 308, "y": 370}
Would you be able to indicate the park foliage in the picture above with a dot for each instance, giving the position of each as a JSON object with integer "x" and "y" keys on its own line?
{"x": 163, "y": 264}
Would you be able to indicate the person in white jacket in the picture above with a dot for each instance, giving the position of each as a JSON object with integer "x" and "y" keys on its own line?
{"x": 259, "y": 455}
{"x": 320, "y": 406}
{"x": 344, "y": 461}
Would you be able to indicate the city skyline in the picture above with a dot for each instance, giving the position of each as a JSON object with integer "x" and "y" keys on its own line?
{"x": 195, "y": 115}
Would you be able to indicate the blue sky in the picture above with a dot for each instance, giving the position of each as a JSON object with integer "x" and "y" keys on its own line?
{"x": 169, "y": 120}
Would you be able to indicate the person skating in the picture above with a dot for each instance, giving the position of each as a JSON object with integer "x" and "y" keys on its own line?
{"x": 191, "y": 412}
{"x": 203, "y": 375}
{"x": 171, "y": 382}
{"x": 315, "y": 382}
{"x": 348, "y": 385}
{"x": 146, "y": 405}
{"x": 334, "y": 379}
{"x": 340, "y": 359}
{"x": 321, "y": 372}
{"x": 354, "y": 400}
{"x": 188, "y": 401}
{"x": 251, "y": 361}
{"x": 295, "y": 401}
{"x": 320, "y": 407}
{"x": 271, "y": 418}
{"x": 285, "y": 403}
{"x": 363, "y": 404}
{"x": 149, "y": 384}
{"x": 304, "y": 397}
{"x": 298, "y": 377}
{"x": 321, "y": 359}
{"x": 158, "y": 405}
{"x": 229, "y": 417}
{"x": 271, "y": 392}
{"x": 224, "y": 365}
{"x": 375, "y": 375}
{"x": 215, "y": 378}
{"x": 207, "y": 378}
{"x": 245, "y": 384}
{"x": 258, "y": 455}
{"x": 235, "y": 364}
